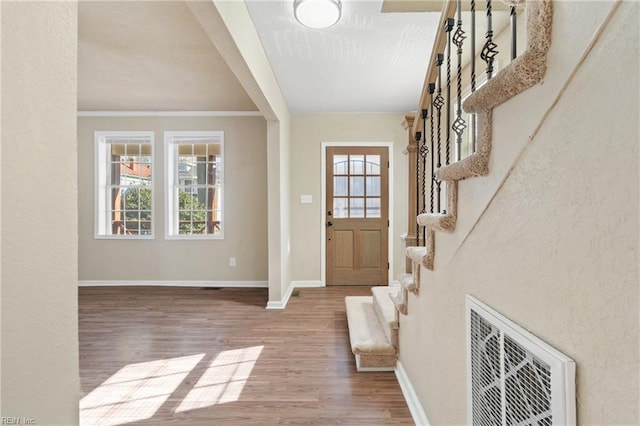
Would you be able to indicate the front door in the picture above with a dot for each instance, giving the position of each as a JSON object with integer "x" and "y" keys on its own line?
{"x": 357, "y": 216}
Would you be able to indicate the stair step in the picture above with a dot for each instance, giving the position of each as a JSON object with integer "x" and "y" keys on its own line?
{"x": 369, "y": 343}
{"x": 399, "y": 299}
{"x": 416, "y": 254}
{"x": 386, "y": 311}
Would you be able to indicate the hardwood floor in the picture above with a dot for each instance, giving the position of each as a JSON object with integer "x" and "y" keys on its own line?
{"x": 158, "y": 355}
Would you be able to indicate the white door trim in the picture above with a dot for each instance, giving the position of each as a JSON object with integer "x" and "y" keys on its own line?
{"x": 323, "y": 182}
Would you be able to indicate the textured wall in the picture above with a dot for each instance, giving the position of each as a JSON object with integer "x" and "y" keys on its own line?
{"x": 308, "y": 131}
{"x": 39, "y": 219}
{"x": 556, "y": 250}
{"x": 245, "y": 195}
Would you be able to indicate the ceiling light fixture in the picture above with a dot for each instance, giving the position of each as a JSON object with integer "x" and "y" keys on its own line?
{"x": 317, "y": 14}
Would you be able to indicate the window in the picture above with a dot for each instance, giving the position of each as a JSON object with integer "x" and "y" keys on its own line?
{"x": 194, "y": 184}
{"x": 356, "y": 186}
{"x": 124, "y": 189}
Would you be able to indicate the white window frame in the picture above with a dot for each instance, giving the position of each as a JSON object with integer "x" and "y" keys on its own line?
{"x": 102, "y": 171}
{"x": 171, "y": 140}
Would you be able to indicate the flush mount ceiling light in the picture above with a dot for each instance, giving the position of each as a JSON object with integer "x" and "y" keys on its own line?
{"x": 317, "y": 14}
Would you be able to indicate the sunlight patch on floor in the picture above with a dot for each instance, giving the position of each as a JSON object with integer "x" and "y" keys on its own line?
{"x": 135, "y": 392}
{"x": 224, "y": 379}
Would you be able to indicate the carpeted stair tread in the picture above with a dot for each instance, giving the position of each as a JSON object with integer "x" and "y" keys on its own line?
{"x": 405, "y": 279}
{"x": 445, "y": 222}
{"x": 386, "y": 311}
{"x": 416, "y": 254}
{"x": 399, "y": 301}
{"x": 366, "y": 334}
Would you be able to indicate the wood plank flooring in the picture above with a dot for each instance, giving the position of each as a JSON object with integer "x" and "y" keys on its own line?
{"x": 188, "y": 356}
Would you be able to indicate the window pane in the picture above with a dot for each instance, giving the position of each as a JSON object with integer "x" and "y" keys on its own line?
{"x": 145, "y": 150}
{"x": 356, "y": 186}
{"x": 115, "y": 173}
{"x": 117, "y": 149}
{"x": 130, "y": 199}
{"x": 132, "y": 149}
{"x": 217, "y": 171}
{"x": 373, "y": 164}
{"x": 145, "y": 159}
{"x": 373, "y": 207}
{"x": 186, "y": 198}
{"x": 214, "y": 222}
{"x": 340, "y": 208}
{"x": 214, "y": 149}
{"x": 131, "y": 228}
{"x": 131, "y": 215}
{"x": 214, "y": 198}
{"x": 145, "y": 228}
{"x": 340, "y": 165}
{"x": 184, "y": 150}
{"x": 373, "y": 186}
{"x": 199, "y": 174}
{"x": 340, "y": 186}
{"x": 210, "y": 170}
{"x": 356, "y": 207}
{"x": 356, "y": 165}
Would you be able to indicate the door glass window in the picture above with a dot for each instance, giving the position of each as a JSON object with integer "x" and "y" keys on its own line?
{"x": 356, "y": 186}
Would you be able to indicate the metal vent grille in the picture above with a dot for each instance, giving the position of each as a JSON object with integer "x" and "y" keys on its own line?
{"x": 515, "y": 378}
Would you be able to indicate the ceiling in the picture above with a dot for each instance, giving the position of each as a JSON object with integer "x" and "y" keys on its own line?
{"x": 154, "y": 56}
{"x": 368, "y": 62}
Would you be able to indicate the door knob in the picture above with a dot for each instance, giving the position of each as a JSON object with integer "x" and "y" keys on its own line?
{"x": 329, "y": 223}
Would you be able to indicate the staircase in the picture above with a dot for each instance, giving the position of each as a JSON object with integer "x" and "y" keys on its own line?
{"x": 373, "y": 329}
{"x": 373, "y": 320}
{"x": 523, "y": 72}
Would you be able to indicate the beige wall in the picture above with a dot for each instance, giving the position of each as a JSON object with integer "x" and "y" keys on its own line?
{"x": 556, "y": 251}
{"x": 40, "y": 377}
{"x": 245, "y": 200}
{"x": 308, "y": 132}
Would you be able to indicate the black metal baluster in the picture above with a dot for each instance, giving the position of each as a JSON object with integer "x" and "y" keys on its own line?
{"x": 424, "y": 151}
{"x": 432, "y": 88}
{"x": 489, "y": 50}
{"x": 448, "y": 26}
{"x": 459, "y": 124}
{"x": 514, "y": 32}
{"x": 418, "y": 137}
{"x": 438, "y": 103}
{"x": 473, "y": 70}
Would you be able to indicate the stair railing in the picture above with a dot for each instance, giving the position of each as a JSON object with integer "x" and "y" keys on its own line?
{"x": 441, "y": 121}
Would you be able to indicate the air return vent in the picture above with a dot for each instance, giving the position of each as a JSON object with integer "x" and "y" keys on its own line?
{"x": 514, "y": 378}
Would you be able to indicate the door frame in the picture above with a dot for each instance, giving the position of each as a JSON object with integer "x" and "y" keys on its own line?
{"x": 323, "y": 229}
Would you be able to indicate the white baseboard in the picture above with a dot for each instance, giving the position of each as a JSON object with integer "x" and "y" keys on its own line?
{"x": 307, "y": 284}
{"x": 170, "y": 283}
{"x": 281, "y": 304}
{"x": 417, "y": 412}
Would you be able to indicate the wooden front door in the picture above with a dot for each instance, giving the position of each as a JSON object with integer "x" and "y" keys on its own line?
{"x": 357, "y": 216}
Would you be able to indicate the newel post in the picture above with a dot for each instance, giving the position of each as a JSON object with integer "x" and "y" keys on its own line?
{"x": 412, "y": 156}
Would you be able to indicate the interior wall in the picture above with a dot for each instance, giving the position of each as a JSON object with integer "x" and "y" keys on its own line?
{"x": 308, "y": 132}
{"x": 556, "y": 250}
{"x": 159, "y": 259}
{"x": 231, "y": 30}
{"x": 40, "y": 376}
